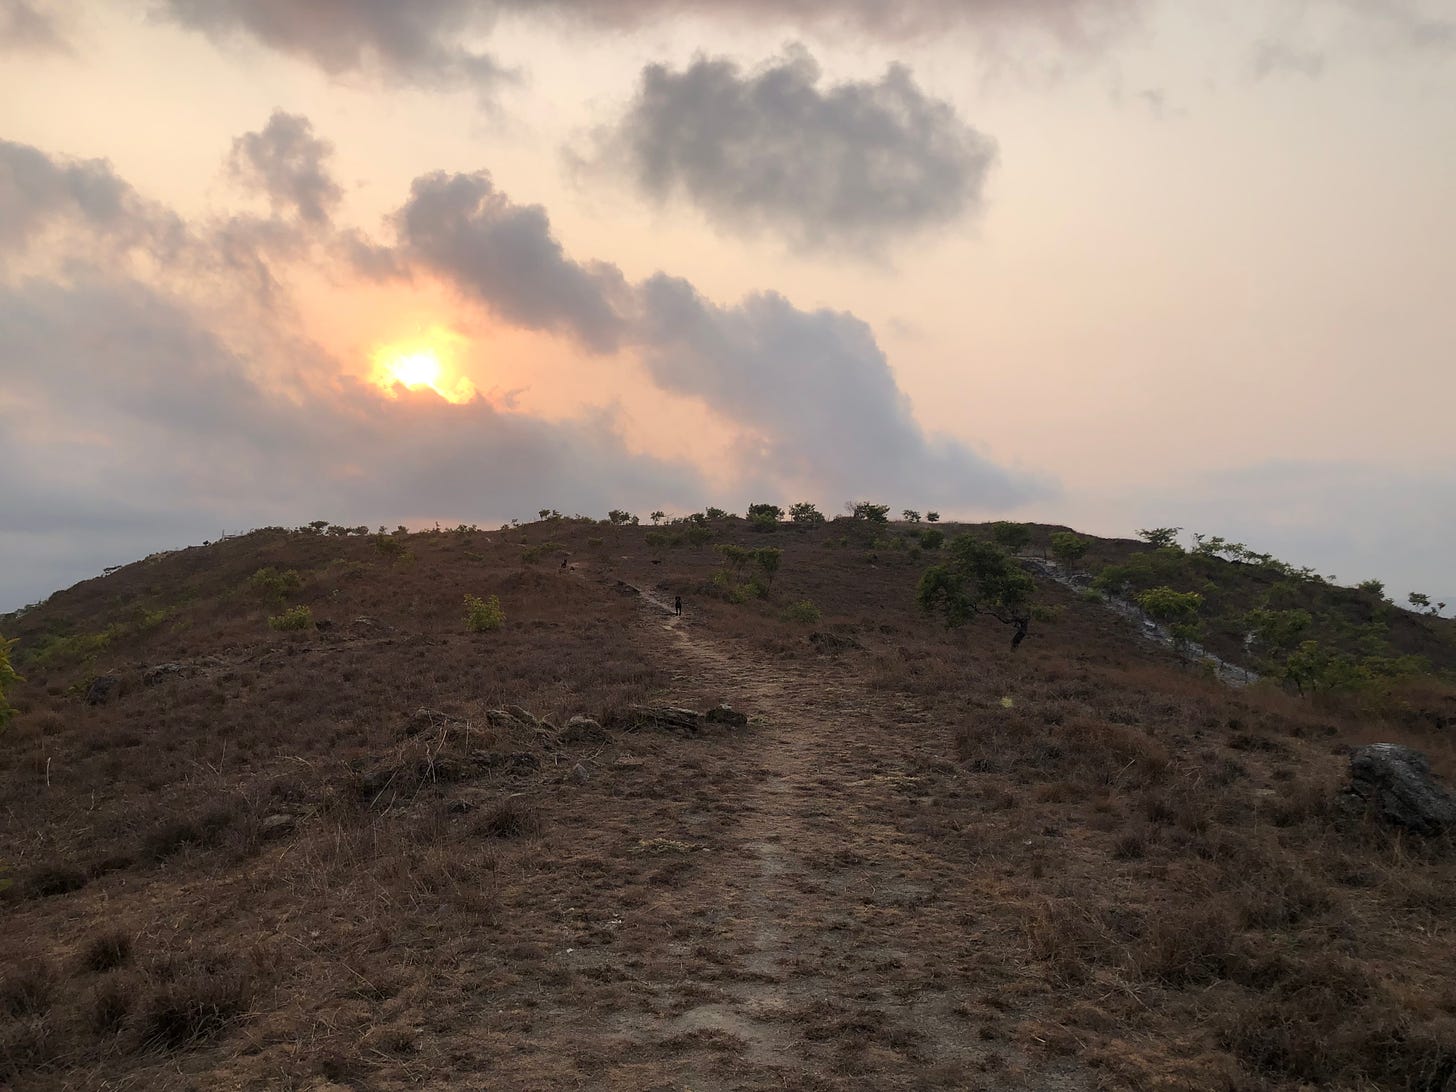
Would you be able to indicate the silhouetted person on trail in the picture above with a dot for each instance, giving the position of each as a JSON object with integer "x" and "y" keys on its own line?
{"x": 1022, "y": 624}
{"x": 677, "y": 606}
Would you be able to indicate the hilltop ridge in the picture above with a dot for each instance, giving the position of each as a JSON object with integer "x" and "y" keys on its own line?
{"x": 325, "y": 822}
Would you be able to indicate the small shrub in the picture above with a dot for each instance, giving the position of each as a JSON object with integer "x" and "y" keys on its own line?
{"x": 193, "y": 1006}
{"x": 107, "y": 951}
{"x": 483, "y": 614}
{"x": 802, "y": 611}
{"x": 272, "y": 584}
{"x": 28, "y": 988}
{"x": 932, "y": 539}
{"x": 111, "y": 1004}
{"x": 510, "y": 819}
{"x": 293, "y": 619}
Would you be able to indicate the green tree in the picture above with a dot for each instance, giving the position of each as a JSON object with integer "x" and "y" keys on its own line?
{"x": 805, "y": 514}
{"x": 1160, "y": 537}
{"x": 1069, "y": 548}
{"x": 1277, "y": 633}
{"x": 1421, "y": 602}
{"x": 765, "y": 517}
{"x": 932, "y": 538}
{"x": 911, "y": 516}
{"x": 715, "y": 513}
{"x": 8, "y": 679}
{"x": 768, "y": 558}
{"x": 1374, "y": 587}
{"x": 1174, "y": 609}
{"x": 737, "y": 557}
{"x": 619, "y": 518}
{"x": 657, "y": 517}
{"x": 483, "y": 614}
{"x": 978, "y": 578}
{"x": 932, "y": 517}
{"x": 1013, "y": 536}
{"x": 875, "y": 513}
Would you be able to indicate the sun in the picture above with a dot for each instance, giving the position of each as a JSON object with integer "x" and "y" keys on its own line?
{"x": 422, "y": 364}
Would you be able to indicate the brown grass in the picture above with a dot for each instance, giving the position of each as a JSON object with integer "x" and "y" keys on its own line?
{"x": 927, "y": 863}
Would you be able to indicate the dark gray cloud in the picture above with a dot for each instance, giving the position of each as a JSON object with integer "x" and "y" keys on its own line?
{"x": 127, "y": 426}
{"x": 23, "y": 26}
{"x": 817, "y": 395}
{"x": 504, "y": 256}
{"x": 420, "y": 40}
{"x": 288, "y": 163}
{"x": 38, "y": 193}
{"x": 854, "y": 165}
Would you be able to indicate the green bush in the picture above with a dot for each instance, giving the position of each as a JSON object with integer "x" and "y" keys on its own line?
{"x": 483, "y": 614}
{"x": 272, "y": 584}
{"x": 8, "y": 678}
{"x": 932, "y": 539}
{"x": 295, "y": 618}
{"x": 802, "y": 611}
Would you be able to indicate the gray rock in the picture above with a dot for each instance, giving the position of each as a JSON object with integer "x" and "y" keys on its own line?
{"x": 102, "y": 689}
{"x": 830, "y": 642}
{"x": 579, "y": 774}
{"x": 731, "y": 717}
{"x": 583, "y": 730}
{"x": 1395, "y": 784}
{"x": 276, "y": 826}
{"x": 162, "y": 672}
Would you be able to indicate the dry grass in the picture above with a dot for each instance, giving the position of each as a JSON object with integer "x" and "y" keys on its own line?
{"x": 927, "y": 863}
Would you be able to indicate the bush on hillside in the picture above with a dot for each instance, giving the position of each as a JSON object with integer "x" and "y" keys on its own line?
{"x": 483, "y": 614}
{"x": 8, "y": 679}
{"x": 294, "y": 619}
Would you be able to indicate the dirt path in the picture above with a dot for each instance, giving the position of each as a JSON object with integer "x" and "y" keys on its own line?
{"x": 840, "y": 941}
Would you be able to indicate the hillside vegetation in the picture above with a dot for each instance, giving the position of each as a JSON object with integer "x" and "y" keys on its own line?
{"x": 321, "y": 807}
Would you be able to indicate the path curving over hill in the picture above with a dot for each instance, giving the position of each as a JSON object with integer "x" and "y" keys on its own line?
{"x": 840, "y": 940}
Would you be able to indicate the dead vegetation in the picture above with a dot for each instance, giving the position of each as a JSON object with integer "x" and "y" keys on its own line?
{"x": 382, "y": 852}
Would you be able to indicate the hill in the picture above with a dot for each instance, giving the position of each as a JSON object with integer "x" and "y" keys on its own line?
{"x": 385, "y": 849}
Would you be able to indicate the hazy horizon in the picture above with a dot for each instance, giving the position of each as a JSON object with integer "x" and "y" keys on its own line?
{"x": 1104, "y": 263}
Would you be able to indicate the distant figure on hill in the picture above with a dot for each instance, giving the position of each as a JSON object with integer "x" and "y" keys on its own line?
{"x": 1022, "y": 625}
{"x": 677, "y": 605}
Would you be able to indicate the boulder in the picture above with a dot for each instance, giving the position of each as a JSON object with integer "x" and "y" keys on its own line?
{"x": 1395, "y": 784}
{"x": 640, "y": 718}
{"x": 831, "y": 642}
{"x": 724, "y": 715}
{"x": 583, "y": 730}
{"x": 161, "y": 672}
{"x": 102, "y": 689}
{"x": 276, "y": 826}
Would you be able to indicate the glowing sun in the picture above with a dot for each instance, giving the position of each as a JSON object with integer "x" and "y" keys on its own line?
{"x": 421, "y": 365}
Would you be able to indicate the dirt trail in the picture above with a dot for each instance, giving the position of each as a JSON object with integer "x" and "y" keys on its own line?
{"x": 839, "y": 938}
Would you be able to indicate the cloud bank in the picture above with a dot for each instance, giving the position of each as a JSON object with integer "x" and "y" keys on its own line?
{"x": 422, "y": 41}
{"x": 157, "y": 387}
{"x": 853, "y": 166}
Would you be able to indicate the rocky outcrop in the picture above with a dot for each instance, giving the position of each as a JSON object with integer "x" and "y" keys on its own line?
{"x": 102, "y": 689}
{"x": 666, "y": 718}
{"x": 1394, "y": 784}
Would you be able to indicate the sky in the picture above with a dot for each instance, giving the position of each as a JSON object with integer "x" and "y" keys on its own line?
{"x": 1106, "y": 263}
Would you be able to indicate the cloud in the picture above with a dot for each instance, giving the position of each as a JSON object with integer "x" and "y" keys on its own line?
{"x": 853, "y": 166}
{"x": 38, "y": 193}
{"x": 289, "y": 164}
{"x": 154, "y": 400}
{"x": 817, "y": 396}
{"x": 127, "y": 426}
{"x": 25, "y": 27}
{"x": 504, "y": 256}
{"x": 420, "y": 41}
{"x": 417, "y": 41}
